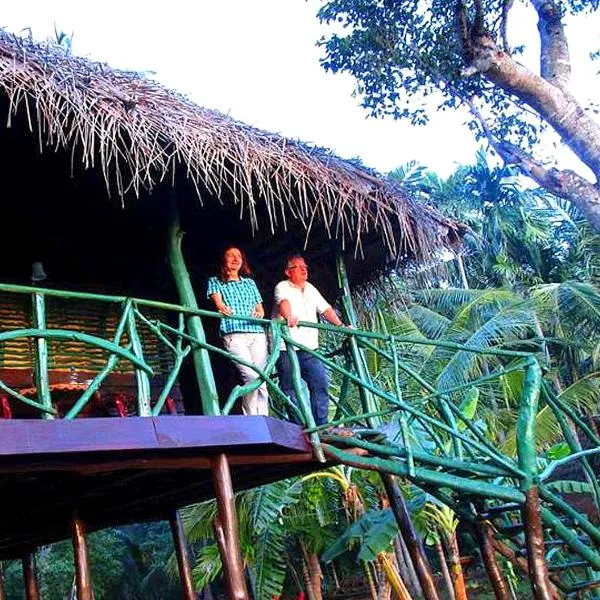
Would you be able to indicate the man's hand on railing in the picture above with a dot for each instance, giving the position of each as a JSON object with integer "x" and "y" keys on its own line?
{"x": 292, "y": 321}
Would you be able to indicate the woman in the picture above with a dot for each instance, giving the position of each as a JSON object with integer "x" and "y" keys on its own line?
{"x": 235, "y": 293}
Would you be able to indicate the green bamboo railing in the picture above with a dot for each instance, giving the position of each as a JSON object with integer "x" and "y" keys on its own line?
{"x": 403, "y": 424}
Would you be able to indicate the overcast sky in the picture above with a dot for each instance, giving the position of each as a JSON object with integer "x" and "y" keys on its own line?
{"x": 255, "y": 60}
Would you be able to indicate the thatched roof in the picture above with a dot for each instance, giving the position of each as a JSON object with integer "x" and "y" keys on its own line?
{"x": 140, "y": 134}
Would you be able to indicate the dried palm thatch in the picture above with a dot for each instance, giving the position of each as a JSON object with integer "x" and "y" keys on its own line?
{"x": 140, "y": 134}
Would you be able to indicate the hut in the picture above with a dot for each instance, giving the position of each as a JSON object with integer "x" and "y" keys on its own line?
{"x": 103, "y": 171}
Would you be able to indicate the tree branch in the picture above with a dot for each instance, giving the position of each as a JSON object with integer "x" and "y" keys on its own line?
{"x": 553, "y": 104}
{"x": 565, "y": 184}
{"x": 555, "y": 64}
{"x": 506, "y": 6}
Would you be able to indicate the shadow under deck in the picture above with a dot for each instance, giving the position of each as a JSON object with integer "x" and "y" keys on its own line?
{"x": 116, "y": 471}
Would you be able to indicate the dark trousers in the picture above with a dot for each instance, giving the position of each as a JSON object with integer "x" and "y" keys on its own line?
{"x": 314, "y": 374}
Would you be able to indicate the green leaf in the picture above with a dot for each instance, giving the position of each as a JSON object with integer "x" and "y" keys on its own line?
{"x": 570, "y": 487}
{"x": 373, "y": 533}
{"x": 468, "y": 406}
{"x": 558, "y": 451}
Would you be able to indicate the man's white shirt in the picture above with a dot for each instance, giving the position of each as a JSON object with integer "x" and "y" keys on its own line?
{"x": 306, "y": 304}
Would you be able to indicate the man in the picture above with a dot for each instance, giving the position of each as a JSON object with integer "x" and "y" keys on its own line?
{"x": 298, "y": 300}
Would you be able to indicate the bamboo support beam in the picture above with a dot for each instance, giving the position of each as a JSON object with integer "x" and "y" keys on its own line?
{"x": 366, "y": 398}
{"x": 183, "y": 556}
{"x": 142, "y": 380}
{"x": 202, "y": 365}
{"x": 83, "y": 578}
{"x": 40, "y": 363}
{"x": 226, "y": 530}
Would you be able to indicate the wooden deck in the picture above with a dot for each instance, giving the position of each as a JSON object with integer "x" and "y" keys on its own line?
{"x": 122, "y": 470}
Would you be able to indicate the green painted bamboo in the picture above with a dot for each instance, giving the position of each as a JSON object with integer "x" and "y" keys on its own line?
{"x": 489, "y": 451}
{"x": 180, "y": 355}
{"x": 472, "y": 487}
{"x": 403, "y": 422}
{"x": 366, "y": 397}
{"x": 263, "y": 374}
{"x": 40, "y": 360}
{"x": 76, "y": 336}
{"x": 143, "y": 382}
{"x": 526, "y": 449}
{"x": 33, "y": 403}
{"x": 204, "y": 373}
{"x": 581, "y": 520}
{"x": 570, "y": 538}
{"x": 304, "y": 402}
{"x": 576, "y": 449}
{"x": 273, "y": 388}
{"x": 111, "y": 363}
{"x": 438, "y": 461}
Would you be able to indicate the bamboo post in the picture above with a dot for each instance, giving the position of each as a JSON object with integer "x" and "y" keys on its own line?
{"x": 183, "y": 556}
{"x": 40, "y": 364}
{"x": 32, "y": 590}
{"x": 142, "y": 379}
{"x": 202, "y": 366}
{"x": 405, "y": 525}
{"x": 358, "y": 358}
{"x": 530, "y": 511}
{"x": 83, "y": 579}
{"x": 226, "y": 530}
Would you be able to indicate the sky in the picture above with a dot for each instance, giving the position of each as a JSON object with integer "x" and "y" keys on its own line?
{"x": 257, "y": 61}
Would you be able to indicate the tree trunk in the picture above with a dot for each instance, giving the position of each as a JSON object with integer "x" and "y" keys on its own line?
{"x": 444, "y": 568}
{"x": 405, "y": 568}
{"x": 411, "y": 539}
{"x": 499, "y": 584}
{"x": 316, "y": 575}
{"x": 370, "y": 580}
{"x": 458, "y": 579}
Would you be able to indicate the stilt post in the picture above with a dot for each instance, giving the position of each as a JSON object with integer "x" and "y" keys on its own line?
{"x": 183, "y": 556}
{"x": 83, "y": 579}
{"x": 226, "y": 530}
{"x": 32, "y": 590}
{"x": 2, "y": 590}
{"x": 530, "y": 512}
{"x": 202, "y": 365}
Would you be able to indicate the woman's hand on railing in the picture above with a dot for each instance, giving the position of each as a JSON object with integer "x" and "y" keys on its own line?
{"x": 224, "y": 309}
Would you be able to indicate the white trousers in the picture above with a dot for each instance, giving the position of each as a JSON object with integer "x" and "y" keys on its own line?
{"x": 251, "y": 347}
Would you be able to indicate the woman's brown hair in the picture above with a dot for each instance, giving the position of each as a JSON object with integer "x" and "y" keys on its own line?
{"x": 245, "y": 269}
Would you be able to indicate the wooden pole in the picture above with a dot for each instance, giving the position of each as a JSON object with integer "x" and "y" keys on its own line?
{"x": 226, "y": 530}
{"x": 488, "y": 554}
{"x": 83, "y": 579}
{"x": 2, "y": 590}
{"x": 183, "y": 556}
{"x": 534, "y": 542}
{"x": 32, "y": 590}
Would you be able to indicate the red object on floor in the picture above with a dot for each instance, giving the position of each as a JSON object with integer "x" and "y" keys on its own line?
{"x": 120, "y": 405}
{"x": 301, "y": 596}
{"x": 6, "y": 411}
{"x": 173, "y": 411}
